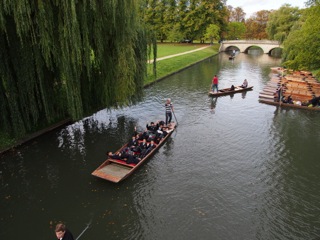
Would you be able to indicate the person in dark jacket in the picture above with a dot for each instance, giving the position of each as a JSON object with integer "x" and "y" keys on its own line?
{"x": 114, "y": 155}
{"x": 62, "y": 233}
{"x": 152, "y": 127}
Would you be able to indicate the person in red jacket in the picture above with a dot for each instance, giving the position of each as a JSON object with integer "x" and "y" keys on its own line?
{"x": 215, "y": 83}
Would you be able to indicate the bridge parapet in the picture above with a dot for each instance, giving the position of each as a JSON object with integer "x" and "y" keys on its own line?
{"x": 252, "y": 41}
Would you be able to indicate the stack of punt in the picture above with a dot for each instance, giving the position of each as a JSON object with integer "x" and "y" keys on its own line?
{"x": 228, "y": 91}
{"x": 301, "y": 86}
{"x": 117, "y": 170}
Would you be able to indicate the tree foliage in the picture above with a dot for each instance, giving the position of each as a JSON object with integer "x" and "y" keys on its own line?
{"x": 236, "y": 30}
{"x": 176, "y": 20}
{"x": 212, "y": 32}
{"x": 281, "y": 21}
{"x": 236, "y": 14}
{"x": 256, "y": 25}
{"x": 302, "y": 47}
{"x": 312, "y": 2}
{"x": 64, "y": 59}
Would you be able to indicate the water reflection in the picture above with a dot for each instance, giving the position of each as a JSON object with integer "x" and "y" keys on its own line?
{"x": 286, "y": 202}
{"x": 213, "y": 103}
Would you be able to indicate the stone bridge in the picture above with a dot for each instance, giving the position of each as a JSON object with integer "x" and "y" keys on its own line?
{"x": 243, "y": 45}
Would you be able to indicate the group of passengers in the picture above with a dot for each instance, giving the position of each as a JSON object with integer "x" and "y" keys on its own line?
{"x": 141, "y": 143}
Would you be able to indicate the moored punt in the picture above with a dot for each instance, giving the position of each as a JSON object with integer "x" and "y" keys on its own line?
{"x": 227, "y": 91}
{"x": 300, "y": 86}
{"x": 115, "y": 170}
{"x": 272, "y": 102}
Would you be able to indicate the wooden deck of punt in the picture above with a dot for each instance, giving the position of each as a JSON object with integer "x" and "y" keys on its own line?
{"x": 117, "y": 170}
{"x": 227, "y": 91}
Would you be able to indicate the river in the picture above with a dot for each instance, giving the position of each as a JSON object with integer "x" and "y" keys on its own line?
{"x": 234, "y": 168}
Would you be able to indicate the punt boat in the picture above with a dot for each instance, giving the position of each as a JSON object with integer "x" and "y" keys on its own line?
{"x": 271, "y": 101}
{"x": 228, "y": 91}
{"x": 115, "y": 170}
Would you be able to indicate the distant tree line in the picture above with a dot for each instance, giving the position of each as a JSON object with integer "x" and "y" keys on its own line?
{"x": 179, "y": 20}
{"x": 182, "y": 20}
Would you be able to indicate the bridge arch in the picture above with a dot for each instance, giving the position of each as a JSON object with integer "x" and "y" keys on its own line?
{"x": 231, "y": 48}
{"x": 243, "y": 45}
{"x": 247, "y": 49}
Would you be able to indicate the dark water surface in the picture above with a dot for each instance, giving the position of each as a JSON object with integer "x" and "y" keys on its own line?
{"x": 234, "y": 168}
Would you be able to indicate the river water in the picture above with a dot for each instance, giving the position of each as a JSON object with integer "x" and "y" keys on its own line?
{"x": 233, "y": 169}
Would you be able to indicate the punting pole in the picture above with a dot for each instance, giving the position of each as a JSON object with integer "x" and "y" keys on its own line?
{"x": 175, "y": 117}
{"x": 84, "y": 230}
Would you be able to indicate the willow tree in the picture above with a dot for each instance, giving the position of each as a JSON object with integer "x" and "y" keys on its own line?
{"x": 64, "y": 59}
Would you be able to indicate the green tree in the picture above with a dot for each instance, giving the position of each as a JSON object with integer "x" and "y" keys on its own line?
{"x": 212, "y": 32}
{"x": 281, "y": 21}
{"x": 187, "y": 19}
{"x": 159, "y": 20}
{"x": 302, "y": 46}
{"x": 236, "y": 30}
{"x": 170, "y": 20}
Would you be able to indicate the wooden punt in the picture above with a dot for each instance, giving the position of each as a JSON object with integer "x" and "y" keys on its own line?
{"x": 287, "y": 105}
{"x": 227, "y": 91}
{"x": 117, "y": 170}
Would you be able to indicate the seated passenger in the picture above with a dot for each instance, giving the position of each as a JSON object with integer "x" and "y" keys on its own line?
{"x": 315, "y": 101}
{"x": 125, "y": 155}
{"x": 161, "y": 133}
{"x": 152, "y": 127}
{"x": 139, "y": 136}
{"x": 143, "y": 145}
{"x": 289, "y": 100}
{"x": 133, "y": 143}
{"x": 114, "y": 155}
{"x": 244, "y": 84}
{"x": 149, "y": 148}
{"x": 143, "y": 148}
{"x": 132, "y": 159}
{"x": 232, "y": 88}
{"x": 152, "y": 145}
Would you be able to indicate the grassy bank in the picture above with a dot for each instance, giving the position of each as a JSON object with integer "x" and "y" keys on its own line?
{"x": 170, "y": 49}
{"x": 171, "y": 65}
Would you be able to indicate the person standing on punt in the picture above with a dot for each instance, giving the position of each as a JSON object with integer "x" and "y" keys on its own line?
{"x": 169, "y": 110}
{"x": 279, "y": 93}
{"x": 215, "y": 83}
{"x": 62, "y": 233}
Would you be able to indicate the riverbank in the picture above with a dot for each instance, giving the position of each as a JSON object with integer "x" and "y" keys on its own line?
{"x": 172, "y": 64}
{"x": 166, "y": 66}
